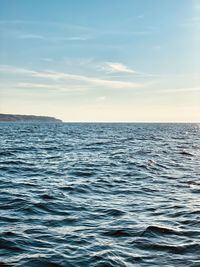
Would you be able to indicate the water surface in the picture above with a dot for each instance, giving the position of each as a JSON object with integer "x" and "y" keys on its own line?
{"x": 99, "y": 195}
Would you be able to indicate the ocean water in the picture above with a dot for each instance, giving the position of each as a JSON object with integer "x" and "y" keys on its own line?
{"x": 99, "y": 195}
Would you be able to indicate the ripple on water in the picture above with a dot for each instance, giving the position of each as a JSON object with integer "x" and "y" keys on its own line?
{"x": 99, "y": 195}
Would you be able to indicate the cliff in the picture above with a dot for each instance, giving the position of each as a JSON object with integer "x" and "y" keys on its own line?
{"x": 26, "y": 118}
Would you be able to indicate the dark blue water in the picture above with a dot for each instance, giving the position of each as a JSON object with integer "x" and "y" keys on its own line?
{"x": 99, "y": 195}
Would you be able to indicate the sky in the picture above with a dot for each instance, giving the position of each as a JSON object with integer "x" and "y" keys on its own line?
{"x": 101, "y": 61}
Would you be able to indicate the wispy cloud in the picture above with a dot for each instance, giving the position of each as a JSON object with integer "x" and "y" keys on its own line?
{"x": 75, "y": 38}
{"x": 70, "y": 32}
{"x": 60, "y": 77}
{"x": 15, "y": 70}
{"x": 57, "y": 87}
{"x": 117, "y": 67}
{"x": 120, "y": 68}
{"x": 180, "y": 90}
{"x": 35, "y": 85}
{"x": 91, "y": 80}
{"x": 192, "y": 22}
{"x": 47, "y": 38}
{"x": 30, "y": 36}
{"x": 63, "y": 25}
{"x": 51, "y": 39}
{"x": 101, "y": 99}
{"x": 59, "y": 31}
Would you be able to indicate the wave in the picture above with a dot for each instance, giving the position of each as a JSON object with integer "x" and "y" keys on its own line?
{"x": 99, "y": 195}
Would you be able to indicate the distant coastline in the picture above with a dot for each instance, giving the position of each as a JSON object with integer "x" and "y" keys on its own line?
{"x": 26, "y": 118}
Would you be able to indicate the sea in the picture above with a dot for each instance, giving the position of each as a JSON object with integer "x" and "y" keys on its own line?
{"x": 99, "y": 194}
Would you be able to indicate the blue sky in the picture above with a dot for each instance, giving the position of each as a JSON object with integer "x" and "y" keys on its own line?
{"x": 108, "y": 60}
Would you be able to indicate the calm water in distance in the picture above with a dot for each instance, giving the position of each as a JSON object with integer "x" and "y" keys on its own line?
{"x": 99, "y": 195}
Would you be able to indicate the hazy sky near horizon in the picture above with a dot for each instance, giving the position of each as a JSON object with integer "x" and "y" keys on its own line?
{"x": 108, "y": 60}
